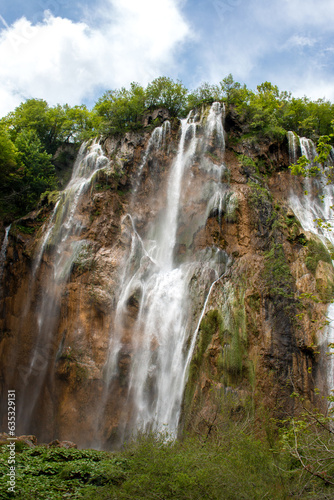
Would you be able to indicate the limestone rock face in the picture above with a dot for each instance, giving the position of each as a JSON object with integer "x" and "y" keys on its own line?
{"x": 259, "y": 335}
{"x": 325, "y": 281}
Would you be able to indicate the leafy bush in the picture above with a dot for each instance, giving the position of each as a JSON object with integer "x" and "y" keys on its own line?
{"x": 58, "y": 473}
{"x": 232, "y": 465}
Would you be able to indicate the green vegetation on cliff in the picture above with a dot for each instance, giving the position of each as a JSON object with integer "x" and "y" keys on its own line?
{"x": 316, "y": 252}
{"x": 27, "y": 171}
{"x": 277, "y": 274}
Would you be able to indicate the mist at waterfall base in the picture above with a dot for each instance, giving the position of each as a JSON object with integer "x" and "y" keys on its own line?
{"x": 313, "y": 205}
{"x": 165, "y": 277}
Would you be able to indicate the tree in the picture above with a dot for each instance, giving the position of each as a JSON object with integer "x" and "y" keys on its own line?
{"x": 37, "y": 174}
{"x": 309, "y": 440}
{"x": 229, "y": 87}
{"x": 53, "y": 125}
{"x": 80, "y": 124}
{"x": 120, "y": 110}
{"x": 235, "y": 94}
{"x": 29, "y": 115}
{"x": 8, "y": 159}
{"x": 204, "y": 94}
{"x": 163, "y": 92}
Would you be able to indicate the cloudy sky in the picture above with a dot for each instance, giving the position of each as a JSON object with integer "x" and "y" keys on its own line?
{"x": 68, "y": 51}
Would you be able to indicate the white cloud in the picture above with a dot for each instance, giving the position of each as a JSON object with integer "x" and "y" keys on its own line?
{"x": 300, "y": 41}
{"x": 64, "y": 61}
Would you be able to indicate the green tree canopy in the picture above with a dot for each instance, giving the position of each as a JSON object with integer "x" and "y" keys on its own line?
{"x": 163, "y": 92}
{"x": 204, "y": 94}
{"x": 8, "y": 159}
{"x": 53, "y": 125}
{"x": 121, "y": 110}
{"x": 37, "y": 173}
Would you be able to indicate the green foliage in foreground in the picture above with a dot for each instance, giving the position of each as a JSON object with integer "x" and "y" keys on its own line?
{"x": 230, "y": 463}
{"x": 58, "y": 473}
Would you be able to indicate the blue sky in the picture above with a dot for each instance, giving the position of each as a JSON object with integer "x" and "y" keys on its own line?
{"x": 66, "y": 51}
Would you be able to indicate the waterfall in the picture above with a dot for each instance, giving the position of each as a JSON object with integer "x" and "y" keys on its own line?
{"x": 214, "y": 123}
{"x": 162, "y": 292}
{"x": 309, "y": 208}
{"x": 3, "y": 253}
{"x": 46, "y": 235}
{"x": 293, "y": 141}
{"x": 62, "y": 223}
{"x": 170, "y": 224}
{"x": 308, "y": 148}
{"x": 157, "y": 139}
{"x": 61, "y": 234}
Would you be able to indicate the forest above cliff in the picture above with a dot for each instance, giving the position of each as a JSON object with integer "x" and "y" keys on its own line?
{"x": 33, "y": 137}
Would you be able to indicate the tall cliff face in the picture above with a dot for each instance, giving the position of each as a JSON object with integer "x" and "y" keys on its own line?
{"x": 171, "y": 275}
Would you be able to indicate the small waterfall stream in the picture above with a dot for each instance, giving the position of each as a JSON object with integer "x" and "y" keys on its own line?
{"x": 294, "y": 145}
{"x": 168, "y": 290}
{"x": 3, "y": 253}
{"x": 315, "y": 204}
{"x": 157, "y": 140}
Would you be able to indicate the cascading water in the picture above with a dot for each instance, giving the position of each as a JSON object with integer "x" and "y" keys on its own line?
{"x": 3, "y": 252}
{"x": 62, "y": 236}
{"x": 215, "y": 124}
{"x": 46, "y": 236}
{"x": 316, "y": 205}
{"x": 294, "y": 146}
{"x": 170, "y": 223}
{"x": 167, "y": 288}
{"x": 157, "y": 139}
